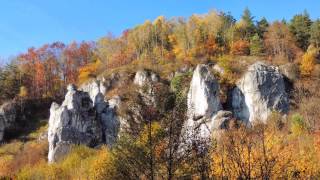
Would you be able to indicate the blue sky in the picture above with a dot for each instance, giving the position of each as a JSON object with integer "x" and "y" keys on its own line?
{"x": 27, "y": 23}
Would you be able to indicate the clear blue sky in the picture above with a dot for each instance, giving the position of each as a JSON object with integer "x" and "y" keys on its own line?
{"x": 26, "y": 23}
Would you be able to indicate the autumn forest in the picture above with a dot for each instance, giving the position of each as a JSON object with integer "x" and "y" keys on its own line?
{"x": 286, "y": 147}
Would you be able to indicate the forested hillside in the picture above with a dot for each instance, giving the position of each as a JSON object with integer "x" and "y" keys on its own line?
{"x": 200, "y": 38}
{"x": 151, "y": 81}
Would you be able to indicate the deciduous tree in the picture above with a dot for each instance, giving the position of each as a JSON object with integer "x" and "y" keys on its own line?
{"x": 279, "y": 41}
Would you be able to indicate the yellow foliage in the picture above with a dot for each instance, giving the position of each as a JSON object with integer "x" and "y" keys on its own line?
{"x": 102, "y": 167}
{"x": 88, "y": 71}
{"x": 264, "y": 152}
{"x": 297, "y": 125}
{"x": 156, "y": 131}
{"x": 77, "y": 162}
{"x": 81, "y": 163}
{"x": 23, "y": 92}
{"x": 5, "y": 162}
{"x": 309, "y": 60}
{"x": 42, "y": 171}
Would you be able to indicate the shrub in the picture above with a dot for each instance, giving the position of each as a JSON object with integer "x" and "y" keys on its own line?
{"x": 42, "y": 171}
{"x": 228, "y": 77}
{"x": 103, "y": 166}
{"x": 297, "y": 124}
{"x": 31, "y": 154}
{"x": 77, "y": 163}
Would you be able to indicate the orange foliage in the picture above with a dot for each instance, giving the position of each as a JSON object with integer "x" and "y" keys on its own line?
{"x": 88, "y": 71}
{"x": 31, "y": 154}
{"x": 240, "y": 47}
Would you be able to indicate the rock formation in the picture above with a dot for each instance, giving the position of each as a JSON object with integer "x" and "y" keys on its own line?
{"x": 203, "y": 103}
{"x": 259, "y": 92}
{"x": 8, "y": 115}
{"x": 144, "y": 77}
{"x": 83, "y": 118}
{"x": 2, "y": 128}
{"x": 290, "y": 71}
{"x": 86, "y": 118}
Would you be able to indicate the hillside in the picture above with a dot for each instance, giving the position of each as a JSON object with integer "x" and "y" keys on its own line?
{"x": 200, "y": 98}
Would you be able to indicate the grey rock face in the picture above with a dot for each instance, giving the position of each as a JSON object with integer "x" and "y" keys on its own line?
{"x": 203, "y": 96}
{"x": 290, "y": 71}
{"x": 203, "y": 103}
{"x": 93, "y": 88}
{"x": 2, "y": 128}
{"x": 83, "y": 118}
{"x": 220, "y": 122}
{"x": 8, "y": 115}
{"x": 144, "y": 77}
{"x": 221, "y": 119}
{"x": 259, "y": 92}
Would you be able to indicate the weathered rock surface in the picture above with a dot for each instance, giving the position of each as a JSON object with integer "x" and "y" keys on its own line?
{"x": 220, "y": 123}
{"x": 2, "y": 128}
{"x": 144, "y": 77}
{"x": 290, "y": 71}
{"x": 83, "y": 118}
{"x": 8, "y": 115}
{"x": 203, "y": 103}
{"x": 259, "y": 92}
{"x": 203, "y": 96}
{"x": 218, "y": 68}
{"x": 93, "y": 88}
{"x": 221, "y": 119}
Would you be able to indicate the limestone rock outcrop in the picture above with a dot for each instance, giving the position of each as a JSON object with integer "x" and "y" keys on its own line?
{"x": 83, "y": 118}
{"x": 93, "y": 88}
{"x": 203, "y": 96}
{"x": 259, "y": 92}
{"x": 144, "y": 77}
{"x": 2, "y": 128}
{"x": 203, "y": 103}
{"x": 8, "y": 115}
{"x": 221, "y": 119}
{"x": 290, "y": 71}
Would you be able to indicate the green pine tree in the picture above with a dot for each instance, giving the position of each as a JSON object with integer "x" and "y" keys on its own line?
{"x": 300, "y": 27}
{"x": 256, "y": 45}
{"x": 315, "y": 33}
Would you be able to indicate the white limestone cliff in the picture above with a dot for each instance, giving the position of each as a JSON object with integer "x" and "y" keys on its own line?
{"x": 259, "y": 92}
